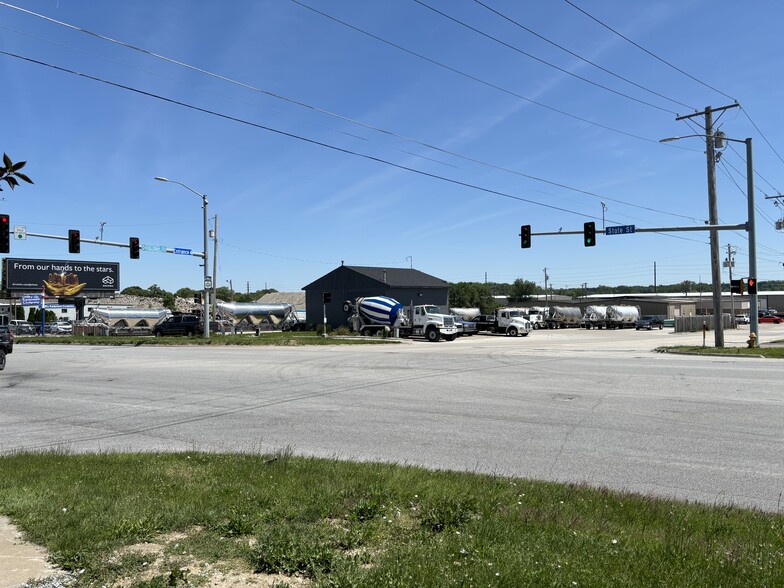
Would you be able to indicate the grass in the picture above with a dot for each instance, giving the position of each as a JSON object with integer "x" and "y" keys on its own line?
{"x": 341, "y": 524}
{"x": 273, "y": 338}
{"x": 771, "y": 352}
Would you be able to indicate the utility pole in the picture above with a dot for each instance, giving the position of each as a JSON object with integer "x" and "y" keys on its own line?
{"x": 730, "y": 263}
{"x": 654, "y": 277}
{"x": 546, "y": 277}
{"x": 713, "y": 218}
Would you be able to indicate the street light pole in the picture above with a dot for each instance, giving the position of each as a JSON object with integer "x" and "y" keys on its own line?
{"x": 206, "y": 289}
{"x": 751, "y": 224}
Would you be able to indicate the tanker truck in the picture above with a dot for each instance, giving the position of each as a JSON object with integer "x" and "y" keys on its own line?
{"x": 274, "y": 316}
{"x": 619, "y": 317}
{"x": 372, "y": 315}
{"x": 563, "y": 316}
{"x": 595, "y": 317}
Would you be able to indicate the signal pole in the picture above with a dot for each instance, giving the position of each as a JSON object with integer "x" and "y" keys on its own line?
{"x": 730, "y": 263}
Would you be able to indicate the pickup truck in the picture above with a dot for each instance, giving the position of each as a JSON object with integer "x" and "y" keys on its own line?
{"x": 6, "y": 344}
{"x": 179, "y": 324}
{"x": 648, "y": 322}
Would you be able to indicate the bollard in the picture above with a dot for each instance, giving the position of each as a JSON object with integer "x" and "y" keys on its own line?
{"x": 752, "y": 341}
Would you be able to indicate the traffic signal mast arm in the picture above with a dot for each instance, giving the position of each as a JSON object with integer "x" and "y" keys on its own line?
{"x": 740, "y": 227}
{"x": 99, "y": 242}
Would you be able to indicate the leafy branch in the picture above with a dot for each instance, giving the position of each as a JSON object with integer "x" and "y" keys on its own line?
{"x": 9, "y": 173}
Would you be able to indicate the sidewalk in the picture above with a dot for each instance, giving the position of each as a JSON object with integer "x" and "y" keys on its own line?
{"x": 20, "y": 561}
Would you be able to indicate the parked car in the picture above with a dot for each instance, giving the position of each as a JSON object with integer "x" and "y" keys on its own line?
{"x": 19, "y": 327}
{"x": 464, "y": 327}
{"x": 179, "y": 324}
{"x": 648, "y": 322}
{"x": 742, "y": 319}
{"x": 770, "y": 318}
{"x": 6, "y": 344}
{"x": 60, "y": 328}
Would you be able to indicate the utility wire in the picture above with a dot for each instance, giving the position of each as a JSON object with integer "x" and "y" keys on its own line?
{"x": 298, "y": 137}
{"x": 580, "y": 57}
{"x": 471, "y": 77}
{"x": 377, "y": 129}
{"x": 756, "y": 173}
{"x": 313, "y": 141}
{"x": 542, "y": 61}
{"x": 762, "y": 134}
{"x": 664, "y": 61}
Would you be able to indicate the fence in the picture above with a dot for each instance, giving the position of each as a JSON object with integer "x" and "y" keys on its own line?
{"x": 691, "y": 324}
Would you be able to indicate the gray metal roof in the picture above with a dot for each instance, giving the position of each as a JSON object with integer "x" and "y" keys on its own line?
{"x": 393, "y": 277}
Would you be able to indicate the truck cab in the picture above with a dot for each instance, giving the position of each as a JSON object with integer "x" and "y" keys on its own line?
{"x": 428, "y": 321}
{"x": 513, "y": 322}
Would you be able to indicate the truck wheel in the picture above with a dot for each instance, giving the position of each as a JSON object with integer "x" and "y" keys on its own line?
{"x": 450, "y": 337}
{"x": 512, "y": 332}
{"x": 157, "y": 333}
{"x": 346, "y": 307}
{"x": 433, "y": 335}
{"x": 2, "y": 360}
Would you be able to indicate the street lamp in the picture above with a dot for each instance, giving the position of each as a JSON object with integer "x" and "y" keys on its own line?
{"x": 206, "y": 285}
{"x": 751, "y": 225}
{"x": 604, "y": 207}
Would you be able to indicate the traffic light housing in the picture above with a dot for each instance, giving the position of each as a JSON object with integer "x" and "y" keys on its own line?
{"x": 752, "y": 284}
{"x": 74, "y": 241}
{"x": 133, "y": 244}
{"x": 327, "y": 297}
{"x": 197, "y": 297}
{"x": 5, "y": 234}
{"x": 589, "y": 234}
{"x": 525, "y": 236}
{"x": 736, "y": 287}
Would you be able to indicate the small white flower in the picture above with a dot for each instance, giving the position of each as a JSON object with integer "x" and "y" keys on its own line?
{"x": 65, "y": 510}
{"x": 614, "y": 541}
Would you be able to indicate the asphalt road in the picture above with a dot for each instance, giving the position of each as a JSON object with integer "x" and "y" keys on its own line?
{"x": 596, "y": 407}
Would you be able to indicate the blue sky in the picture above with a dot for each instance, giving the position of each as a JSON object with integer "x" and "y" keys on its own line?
{"x": 290, "y": 210}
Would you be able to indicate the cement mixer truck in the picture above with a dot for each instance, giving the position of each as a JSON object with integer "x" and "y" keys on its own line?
{"x": 373, "y": 315}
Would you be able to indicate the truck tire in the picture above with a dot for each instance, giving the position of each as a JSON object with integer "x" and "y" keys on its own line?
{"x": 450, "y": 337}
{"x": 512, "y": 332}
{"x": 433, "y": 334}
{"x": 2, "y": 359}
{"x": 157, "y": 333}
{"x": 346, "y": 307}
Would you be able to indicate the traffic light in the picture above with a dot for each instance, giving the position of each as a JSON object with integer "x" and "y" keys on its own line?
{"x": 197, "y": 297}
{"x": 589, "y": 234}
{"x": 736, "y": 287}
{"x": 5, "y": 234}
{"x": 327, "y": 297}
{"x": 133, "y": 243}
{"x": 74, "y": 242}
{"x": 752, "y": 284}
{"x": 525, "y": 236}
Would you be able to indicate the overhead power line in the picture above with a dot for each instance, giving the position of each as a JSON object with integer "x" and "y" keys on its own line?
{"x": 664, "y": 61}
{"x": 308, "y": 140}
{"x": 542, "y": 61}
{"x": 580, "y": 57}
{"x": 293, "y": 135}
{"x": 365, "y": 125}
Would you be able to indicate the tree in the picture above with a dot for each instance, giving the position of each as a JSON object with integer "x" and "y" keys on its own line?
{"x": 169, "y": 300}
{"x": 471, "y": 295}
{"x": 135, "y": 291}
{"x": 522, "y": 290}
{"x": 9, "y": 173}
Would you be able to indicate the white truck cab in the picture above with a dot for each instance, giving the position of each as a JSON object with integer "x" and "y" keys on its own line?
{"x": 513, "y": 322}
{"x": 428, "y": 321}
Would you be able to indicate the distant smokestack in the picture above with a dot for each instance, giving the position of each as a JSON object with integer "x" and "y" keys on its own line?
{"x": 385, "y": 276}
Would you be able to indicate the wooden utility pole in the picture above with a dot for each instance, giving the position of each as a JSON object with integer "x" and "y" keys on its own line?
{"x": 713, "y": 218}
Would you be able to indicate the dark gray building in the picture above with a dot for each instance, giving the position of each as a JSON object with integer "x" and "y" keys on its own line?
{"x": 349, "y": 282}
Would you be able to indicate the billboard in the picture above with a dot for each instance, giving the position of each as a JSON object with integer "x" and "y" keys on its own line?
{"x": 61, "y": 278}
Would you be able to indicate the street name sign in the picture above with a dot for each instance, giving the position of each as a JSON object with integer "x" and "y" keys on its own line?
{"x": 619, "y": 230}
{"x": 156, "y": 248}
{"x": 181, "y": 251}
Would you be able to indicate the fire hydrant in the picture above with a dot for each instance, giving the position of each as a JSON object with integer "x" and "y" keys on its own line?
{"x": 752, "y": 341}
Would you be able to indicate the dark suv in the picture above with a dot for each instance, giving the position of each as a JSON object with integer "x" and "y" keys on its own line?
{"x": 649, "y": 322}
{"x": 179, "y": 324}
{"x": 6, "y": 344}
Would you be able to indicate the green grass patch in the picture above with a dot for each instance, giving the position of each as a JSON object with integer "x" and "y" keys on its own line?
{"x": 772, "y": 352}
{"x": 343, "y": 524}
{"x": 272, "y": 338}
